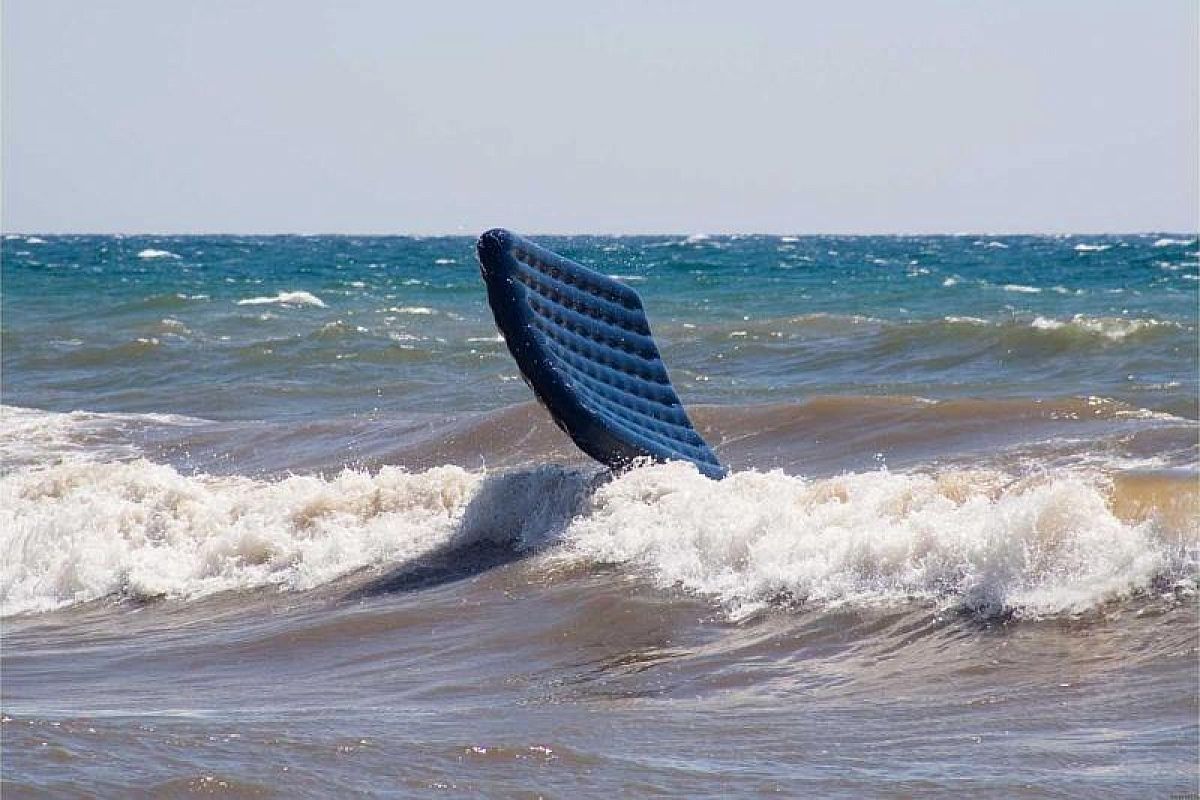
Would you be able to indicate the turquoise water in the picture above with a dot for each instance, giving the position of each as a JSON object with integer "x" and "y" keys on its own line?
{"x": 279, "y": 518}
{"x": 397, "y": 324}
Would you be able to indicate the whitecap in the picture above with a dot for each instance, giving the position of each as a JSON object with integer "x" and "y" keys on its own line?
{"x": 1047, "y": 324}
{"x": 169, "y": 325}
{"x": 970, "y": 540}
{"x": 30, "y": 436}
{"x": 1017, "y": 287}
{"x": 298, "y": 298}
{"x": 1092, "y": 248}
{"x": 77, "y": 532}
{"x": 150, "y": 252}
{"x": 339, "y": 327}
{"x": 963, "y": 540}
{"x": 1111, "y": 328}
{"x": 1167, "y": 242}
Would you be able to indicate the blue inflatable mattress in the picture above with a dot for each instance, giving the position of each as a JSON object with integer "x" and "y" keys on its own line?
{"x": 583, "y": 344}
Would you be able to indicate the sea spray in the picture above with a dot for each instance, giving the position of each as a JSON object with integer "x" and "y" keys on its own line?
{"x": 975, "y": 540}
{"x": 78, "y": 531}
{"x": 961, "y": 539}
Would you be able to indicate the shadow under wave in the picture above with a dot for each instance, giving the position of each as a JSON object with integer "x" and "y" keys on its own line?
{"x": 512, "y": 516}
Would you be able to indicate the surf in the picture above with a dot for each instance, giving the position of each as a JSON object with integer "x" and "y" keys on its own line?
{"x": 974, "y": 540}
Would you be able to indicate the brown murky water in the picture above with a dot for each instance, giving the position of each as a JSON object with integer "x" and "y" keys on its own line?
{"x": 939, "y": 627}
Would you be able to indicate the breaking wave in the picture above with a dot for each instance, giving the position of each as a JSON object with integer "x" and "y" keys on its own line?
{"x": 980, "y": 541}
{"x": 967, "y": 540}
{"x": 32, "y": 437}
{"x": 150, "y": 253}
{"x": 285, "y": 299}
{"x": 1111, "y": 328}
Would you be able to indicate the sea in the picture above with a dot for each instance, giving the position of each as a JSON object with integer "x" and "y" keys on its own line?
{"x": 279, "y": 518}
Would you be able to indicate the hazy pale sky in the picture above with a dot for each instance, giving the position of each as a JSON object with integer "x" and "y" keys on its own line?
{"x": 396, "y": 117}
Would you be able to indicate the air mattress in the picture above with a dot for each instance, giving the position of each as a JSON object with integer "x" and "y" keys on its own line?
{"x": 583, "y": 344}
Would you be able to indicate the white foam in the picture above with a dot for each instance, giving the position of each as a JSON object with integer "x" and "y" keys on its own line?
{"x": 400, "y": 336}
{"x": 417, "y": 310}
{"x": 299, "y": 298}
{"x": 1112, "y": 328}
{"x": 32, "y": 437}
{"x": 338, "y": 327}
{"x": 1047, "y": 324}
{"x": 34, "y": 240}
{"x": 445, "y": 261}
{"x": 1165, "y": 242}
{"x": 171, "y": 324}
{"x": 961, "y": 539}
{"x": 79, "y": 531}
{"x": 150, "y": 252}
{"x": 1091, "y": 248}
{"x": 1016, "y": 287}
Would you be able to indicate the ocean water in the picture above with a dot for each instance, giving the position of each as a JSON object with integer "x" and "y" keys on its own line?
{"x": 279, "y": 518}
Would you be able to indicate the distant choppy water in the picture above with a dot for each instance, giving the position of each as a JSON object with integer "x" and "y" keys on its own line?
{"x": 278, "y": 518}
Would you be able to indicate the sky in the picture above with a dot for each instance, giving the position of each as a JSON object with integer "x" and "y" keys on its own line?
{"x": 232, "y": 116}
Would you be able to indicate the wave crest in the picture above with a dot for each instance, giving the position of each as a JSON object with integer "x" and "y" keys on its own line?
{"x": 297, "y": 298}
{"x": 77, "y": 532}
{"x": 967, "y": 540}
{"x": 1112, "y": 328}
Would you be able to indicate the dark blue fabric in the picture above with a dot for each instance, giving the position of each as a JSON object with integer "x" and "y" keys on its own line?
{"x": 583, "y": 344}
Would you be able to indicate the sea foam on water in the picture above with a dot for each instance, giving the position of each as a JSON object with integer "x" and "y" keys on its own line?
{"x": 80, "y": 531}
{"x": 972, "y": 540}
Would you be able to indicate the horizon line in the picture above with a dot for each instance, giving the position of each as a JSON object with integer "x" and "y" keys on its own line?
{"x": 7, "y": 234}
